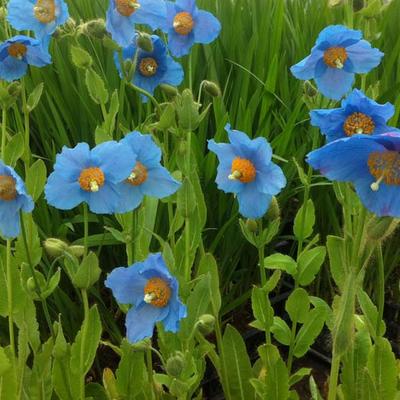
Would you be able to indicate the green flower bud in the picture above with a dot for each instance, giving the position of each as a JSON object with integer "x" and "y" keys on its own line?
{"x": 188, "y": 111}
{"x": 76, "y": 250}
{"x": 379, "y": 228}
{"x": 144, "y": 42}
{"x": 212, "y": 88}
{"x": 54, "y": 247}
{"x": 252, "y": 225}
{"x": 309, "y": 89}
{"x": 175, "y": 364}
{"x": 358, "y": 5}
{"x": 274, "y": 210}
{"x": 108, "y": 43}
{"x": 14, "y": 89}
{"x": 206, "y": 324}
{"x": 95, "y": 28}
{"x": 30, "y": 284}
{"x": 141, "y": 346}
{"x": 170, "y": 91}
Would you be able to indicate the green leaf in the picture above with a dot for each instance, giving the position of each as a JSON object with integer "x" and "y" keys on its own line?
{"x": 167, "y": 118}
{"x": 282, "y": 262}
{"x": 337, "y": 259}
{"x": 5, "y": 363}
{"x": 14, "y": 150}
{"x": 304, "y": 221}
{"x": 81, "y": 58}
{"x": 36, "y": 179}
{"x": 273, "y": 280}
{"x": 34, "y": 97}
{"x": 315, "y": 395}
{"x": 88, "y": 272}
{"x": 281, "y": 331}
{"x": 371, "y": 314}
{"x": 236, "y": 364}
{"x": 209, "y": 265}
{"x": 96, "y": 87}
{"x": 262, "y": 309}
{"x": 297, "y": 305}
{"x": 309, "y": 263}
{"x": 186, "y": 202}
{"x": 299, "y": 375}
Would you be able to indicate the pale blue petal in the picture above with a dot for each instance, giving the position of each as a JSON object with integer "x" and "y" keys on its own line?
{"x": 252, "y": 203}
{"x": 130, "y": 197}
{"x": 206, "y": 28}
{"x": 106, "y": 200}
{"x": 62, "y": 194}
{"x": 363, "y": 57}
{"x": 306, "y": 68}
{"x": 159, "y": 183}
{"x": 335, "y": 83}
{"x": 152, "y": 13}
{"x": 11, "y": 69}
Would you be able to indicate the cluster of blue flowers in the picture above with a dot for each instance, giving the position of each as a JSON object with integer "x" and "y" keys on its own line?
{"x": 362, "y": 148}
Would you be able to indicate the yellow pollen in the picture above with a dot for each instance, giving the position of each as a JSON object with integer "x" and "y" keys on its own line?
{"x": 138, "y": 175}
{"x": 242, "y": 170}
{"x": 335, "y": 57}
{"x": 91, "y": 179}
{"x": 8, "y": 190}
{"x": 385, "y": 167}
{"x": 127, "y": 7}
{"x": 148, "y": 66}
{"x": 17, "y": 50}
{"x": 183, "y": 23}
{"x": 358, "y": 123}
{"x": 45, "y": 11}
{"x": 157, "y": 292}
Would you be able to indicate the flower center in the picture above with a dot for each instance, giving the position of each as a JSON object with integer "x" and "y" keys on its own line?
{"x": 91, "y": 179}
{"x": 138, "y": 175}
{"x": 242, "y": 170}
{"x": 45, "y": 11}
{"x": 127, "y": 7}
{"x": 183, "y": 23}
{"x": 17, "y": 50}
{"x": 148, "y": 66}
{"x": 8, "y": 190}
{"x": 384, "y": 166}
{"x": 157, "y": 292}
{"x": 358, "y": 123}
{"x": 335, "y": 57}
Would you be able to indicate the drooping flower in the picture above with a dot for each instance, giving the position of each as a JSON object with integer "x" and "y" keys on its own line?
{"x": 147, "y": 177}
{"x": 17, "y": 53}
{"x": 13, "y": 198}
{"x": 91, "y": 176}
{"x": 122, "y": 15}
{"x": 152, "y": 291}
{"x": 371, "y": 163}
{"x": 357, "y": 115}
{"x": 40, "y": 16}
{"x": 152, "y": 68}
{"x": 337, "y": 56}
{"x": 245, "y": 168}
{"x": 187, "y": 25}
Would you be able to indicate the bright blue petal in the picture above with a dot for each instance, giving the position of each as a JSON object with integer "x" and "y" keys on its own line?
{"x": 130, "y": 197}
{"x": 306, "y": 68}
{"x": 335, "y": 83}
{"x": 9, "y": 224}
{"x": 106, "y": 200}
{"x": 186, "y": 5}
{"x": 120, "y": 27}
{"x": 226, "y": 184}
{"x": 71, "y": 162}
{"x": 177, "y": 311}
{"x": 143, "y": 146}
{"x": 335, "y": 35}
{"x": 180, "y": 45}
{"x": 140, "y": 321}
{"x": 330, "y": 122}
{"x": 152, "y": 13}
{"x": 35, "y": 55}
{"x": 270, "y": 179}
{"x": 62, "y": 194}
{"x": 11, "y": 69}
{"x": 206, "y": 28}
{"x": 224, "y": 151}
{"x": 252, "y": 203}
{"x": 363, "y": 57}
{"x": 127, "y": 285}
{"x": 174, "y": 74}
{"x": 159, "y": 183}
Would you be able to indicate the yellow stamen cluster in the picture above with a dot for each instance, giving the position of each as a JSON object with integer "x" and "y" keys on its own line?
{"x": 91, "y": 179}
{"x": 242, "y": 170}
{"x": 148, "y": 66}
{"x": 8, "y": 190}
{"x": 17, "y": 50}
{"x": 45, "y": 11}
{"x": 157, "y": 292}
{"x": 358, "y": 123}
{"x": 126, "y": 7}
{"x": 183, "y": 23}
{"x": 138, "y": 175}
{"x": 335, "y": 57}
{"x": 385, "y": 167}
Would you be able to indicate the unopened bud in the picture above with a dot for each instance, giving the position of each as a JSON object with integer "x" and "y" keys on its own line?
{"x": 30, "y": 284}
{"x": 108, "y": 43}
{"x": 14, "y": 89}
{"x": 309, "y": 89}
{"x": 54, "y": 247}
{"x": 212, "y": 88}
{"x": 141, "y": 346}
{"x": 206, "y": 324}
{"x": 95, "y": 28}
{"x": 175, "y": 364}
{"x": 274, "y": 211}
{"x": 170, "y": 91}
{"x": 144, "y": 42}
{"x": 76, "y": 250}
{"x": 252, "y": 225}
{"x": 358, "y": 5}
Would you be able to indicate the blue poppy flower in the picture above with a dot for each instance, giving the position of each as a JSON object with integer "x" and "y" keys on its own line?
{"x": 338, "y": 54}
{"x": 371, "y": 163}
{"x": 152, "y": 68}
{"x": 147, "y": 176}
{"x": 91, "y": 176}
{"x": 152, "y": 291}
{"x": 122, "y": 15}
{"x": 13, "y": 198}
{"x": 187, "y": 25}
{"x": 245, "y": 168}
{"x": 40, "y": 16}
{"x": 357, "y": 115}
{"x": 19, "y": 51}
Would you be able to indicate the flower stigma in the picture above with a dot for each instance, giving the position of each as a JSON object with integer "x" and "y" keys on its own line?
{"x": 242, "y": 170}
{"x": 335, "y": 57}
{"x": 91, "y": 179}
{"x": 157, "y": 292}
{"x": 183, "y": 23}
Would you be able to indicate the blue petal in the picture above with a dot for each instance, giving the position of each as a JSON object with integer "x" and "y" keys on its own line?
{"x": 120, "y": 27}
{"x": 70, "y": 162}
{"x": 154, "y": 265}
{"x": 206, "y": 28}
{"x": 127, "y": 285}
{"x": 335, "y": 35}
{"x": 106, "y": 200}
{"x": 140, "y": 321}
{"x": 224, "y": 151}
{"x": 330, "y": 122}
{"x": 186, "y": 5}
{"x": 159, "y": 183}
{"x": 174, "y": 74}
{"x": 306, "y": 68}
{"x": 180, "y": 45}
{"x": 11, "y": 69}
{"x": 152, "y": 13}
{"x": 35, "y": 55}
{"x": 335, "y": 83}
{"x": 9, "y": 223}
{"x": 270, "y": 179}
{"x": 130, "y": 197}
{"x": 226, "y": 184}
{"x": 62, "y": 194}
{"x": 252, "y": 203}
{"x": 177, "y": 311}
{"x": 363, "y": 57}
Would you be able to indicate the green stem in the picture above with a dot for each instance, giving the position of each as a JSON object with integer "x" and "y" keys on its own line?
{"x": 85, "y": 228}
{"x": 334, "y": 375}
{"x": 26, "y": 125}
{"x": 381, "y": 284}
{"x": 3, "y": 132}
{"x": 121, "y": 107}
{"x": 149, "y": 362}
{"x": 37, "y": 286}
{"x": 147, "y": 94}
{"x": 263, "y": 273}
{"x": 10, "y": 300}
{"x": 187, "y": 249}
{"x": 83, "y": 347}
{"x": 130, "y": 247}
